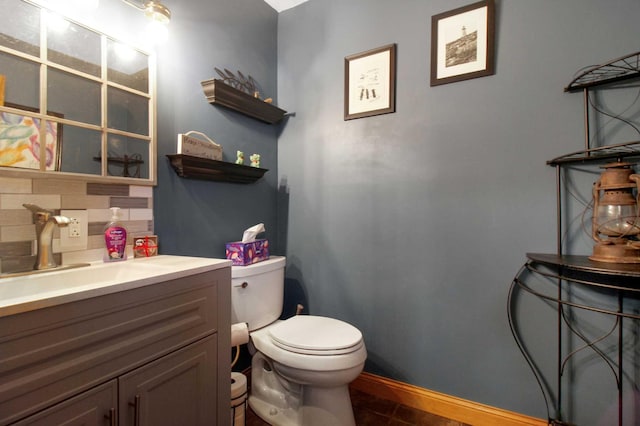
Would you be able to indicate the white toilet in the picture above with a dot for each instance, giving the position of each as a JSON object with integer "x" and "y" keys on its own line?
{"x": 302, "y": 366}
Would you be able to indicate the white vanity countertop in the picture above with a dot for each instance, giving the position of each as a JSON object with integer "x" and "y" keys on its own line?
{"x": 30, "y": 292}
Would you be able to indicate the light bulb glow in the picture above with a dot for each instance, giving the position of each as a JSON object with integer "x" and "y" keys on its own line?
{"x": 57, "y": 23}
{"x": 157, "y": 32}
{"x": 124, "y": 52}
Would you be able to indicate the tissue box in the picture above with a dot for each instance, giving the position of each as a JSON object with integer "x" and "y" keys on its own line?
{"x": 242, "y": 254}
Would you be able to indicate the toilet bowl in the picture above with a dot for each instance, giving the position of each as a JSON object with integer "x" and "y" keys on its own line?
{"x": 301, "y": 367}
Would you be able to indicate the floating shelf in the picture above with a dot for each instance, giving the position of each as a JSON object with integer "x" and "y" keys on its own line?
{"x": 191, "y": 167}
{"x": 220, "y": 93}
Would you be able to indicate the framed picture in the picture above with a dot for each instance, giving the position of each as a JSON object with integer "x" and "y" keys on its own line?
{"x": 20, "y": 140}
{"x": 369, "y": 83}
{"x": 462, "y": 43}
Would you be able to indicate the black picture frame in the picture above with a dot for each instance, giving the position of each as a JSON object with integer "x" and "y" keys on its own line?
{"x": 463, "y": 43}
{"x": 370, "y": 82}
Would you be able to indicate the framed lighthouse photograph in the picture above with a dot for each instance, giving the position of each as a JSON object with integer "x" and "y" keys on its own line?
{"x": 462, "y": 43}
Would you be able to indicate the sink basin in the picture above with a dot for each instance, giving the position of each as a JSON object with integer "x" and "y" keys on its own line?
{"x": 28, "y": 292}
{"x": 41, "y": 271}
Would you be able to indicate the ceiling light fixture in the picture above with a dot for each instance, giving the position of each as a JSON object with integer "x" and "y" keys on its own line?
{"x": 159, "y": 16}
{"x": 154, "y": 10}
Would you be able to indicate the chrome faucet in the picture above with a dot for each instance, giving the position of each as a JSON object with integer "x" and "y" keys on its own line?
{"x": 46, "y": 221}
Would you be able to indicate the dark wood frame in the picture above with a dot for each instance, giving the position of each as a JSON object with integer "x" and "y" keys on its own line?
{"x": 58, "y": 154}
{"x": 489, "y": 68}
{"x": 352, "y": 60}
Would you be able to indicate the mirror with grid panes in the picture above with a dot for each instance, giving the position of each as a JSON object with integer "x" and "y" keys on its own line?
{"x": 73, "y": 101}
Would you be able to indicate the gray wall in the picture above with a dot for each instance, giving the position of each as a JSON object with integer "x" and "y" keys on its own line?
{"x": 199, "y": 217}
{"x": 409, "y": 225}
{"x": 412, "y": 225}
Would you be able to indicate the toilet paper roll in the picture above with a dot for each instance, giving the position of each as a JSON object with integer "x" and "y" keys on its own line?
{"x": 238, "y": 387}
{"x": 239, "y": 334}
{"x": 238, "y": 398}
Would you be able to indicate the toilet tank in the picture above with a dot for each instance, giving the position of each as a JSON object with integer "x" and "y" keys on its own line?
{"x": 257, "y": 292}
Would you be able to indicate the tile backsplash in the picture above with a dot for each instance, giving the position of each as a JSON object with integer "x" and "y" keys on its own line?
{"x": 17, "y": 231}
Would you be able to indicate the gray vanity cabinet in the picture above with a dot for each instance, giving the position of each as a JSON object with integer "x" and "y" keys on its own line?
{"x": 91, "y": 408}
{"x": 156, "y": 355}
{"x": 171, "y": 391}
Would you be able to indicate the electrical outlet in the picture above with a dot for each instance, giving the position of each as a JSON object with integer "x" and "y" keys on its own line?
{"x": 74, "y": 236}
{"x": 75, "y": 230}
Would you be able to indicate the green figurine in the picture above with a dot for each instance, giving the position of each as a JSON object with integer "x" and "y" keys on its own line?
{"x": 239, "y": 157}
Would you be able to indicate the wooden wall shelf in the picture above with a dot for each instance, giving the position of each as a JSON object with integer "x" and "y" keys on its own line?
{"x": 190, "y": 167}
{"x": 220, "y": 93}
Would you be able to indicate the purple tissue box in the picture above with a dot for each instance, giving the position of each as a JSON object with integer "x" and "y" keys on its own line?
{"x": 247, "y": 253}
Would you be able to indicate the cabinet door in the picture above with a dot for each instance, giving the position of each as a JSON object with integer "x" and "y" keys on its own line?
{"x": 176, "y": 390}
{"x": 95, "y": 407}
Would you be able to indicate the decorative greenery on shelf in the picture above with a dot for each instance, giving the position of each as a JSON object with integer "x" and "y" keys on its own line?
{"x": 245, "y": 84}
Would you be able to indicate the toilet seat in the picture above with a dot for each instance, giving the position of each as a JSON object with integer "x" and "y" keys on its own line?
{"x": 315, "y": 335}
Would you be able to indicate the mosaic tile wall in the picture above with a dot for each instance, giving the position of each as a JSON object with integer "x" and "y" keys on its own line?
{"x": 17, "y": 231}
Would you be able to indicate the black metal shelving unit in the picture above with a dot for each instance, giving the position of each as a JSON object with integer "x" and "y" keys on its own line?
{"x": 564, "y": 271}
{"x": 624, "y": 68}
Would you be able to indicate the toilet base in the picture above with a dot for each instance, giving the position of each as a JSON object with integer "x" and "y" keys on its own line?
{"x": 280, "y": 402}
{"x": 307, "y": 415}
{"x": 272, "y": 415}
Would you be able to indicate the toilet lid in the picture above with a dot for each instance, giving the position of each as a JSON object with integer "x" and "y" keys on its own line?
{"x": 308, "y": 334}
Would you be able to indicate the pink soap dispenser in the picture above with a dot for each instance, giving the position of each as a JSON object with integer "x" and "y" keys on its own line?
{"x": 115, "y": 238}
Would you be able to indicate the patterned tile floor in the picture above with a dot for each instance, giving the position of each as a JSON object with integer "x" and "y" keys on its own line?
{"x": 371, "y": 411}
